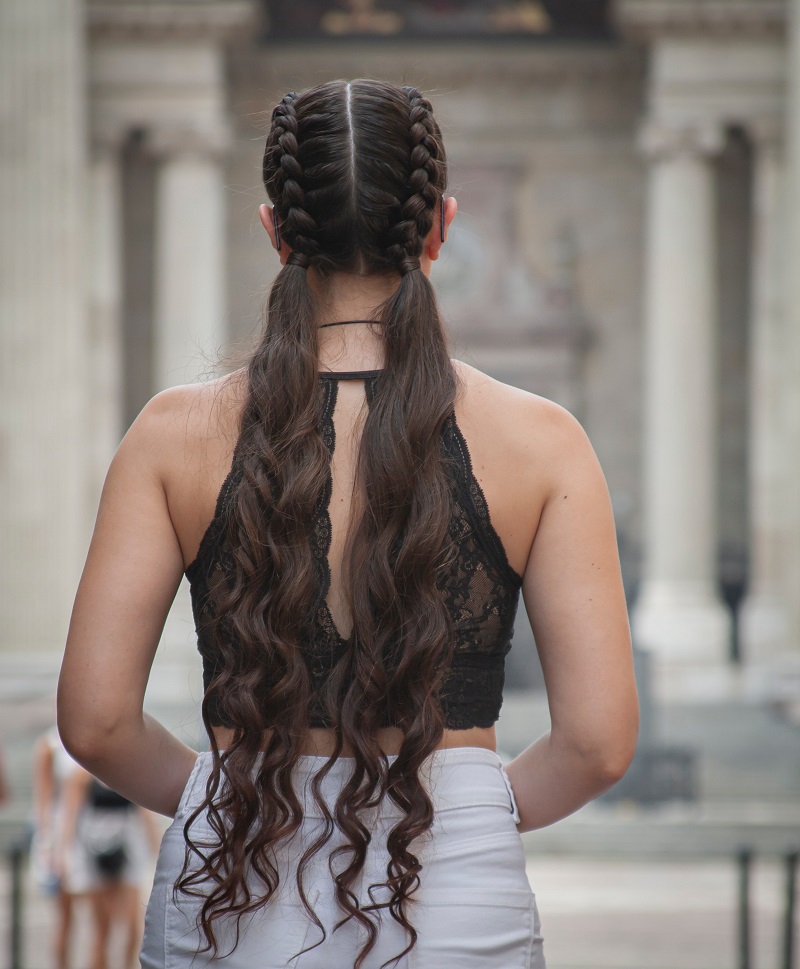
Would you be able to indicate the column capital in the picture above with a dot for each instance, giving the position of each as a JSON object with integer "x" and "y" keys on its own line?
{"x": 651, "y": 20}
{"x": 181, "y": 141}
{"x": 217, "y": 21}
{"x": 659, "y": 140}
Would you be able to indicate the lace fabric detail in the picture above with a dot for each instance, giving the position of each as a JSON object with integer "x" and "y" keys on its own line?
{"x": 325, "y": 646}
{"x": 480, "y": 588}
{"x": 482, "y": 594}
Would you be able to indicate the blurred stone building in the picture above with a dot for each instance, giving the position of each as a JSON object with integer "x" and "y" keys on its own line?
{"x": 628, "y": 178}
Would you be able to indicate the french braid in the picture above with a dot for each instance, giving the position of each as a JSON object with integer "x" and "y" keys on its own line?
{"x": 282, "y": 162}
{"x": 416, "y": 210}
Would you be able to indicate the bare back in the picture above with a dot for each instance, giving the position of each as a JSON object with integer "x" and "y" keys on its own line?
{"x": 487, "y": 413}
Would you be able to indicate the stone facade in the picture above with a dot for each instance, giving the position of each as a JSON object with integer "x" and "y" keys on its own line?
{"x": 617, "y": 248}
{"x": 717, "y": 72}
{"x": 44, "y": 365}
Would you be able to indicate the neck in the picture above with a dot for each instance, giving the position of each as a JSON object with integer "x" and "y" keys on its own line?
{"x": 348, "y": 296}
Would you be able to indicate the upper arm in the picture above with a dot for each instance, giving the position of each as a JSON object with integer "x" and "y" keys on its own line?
{"x": 132, "y": 572}
{"x": 574, "y": 596}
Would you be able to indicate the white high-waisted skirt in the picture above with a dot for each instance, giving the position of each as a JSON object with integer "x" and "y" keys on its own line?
{"x": 474, "y": 908}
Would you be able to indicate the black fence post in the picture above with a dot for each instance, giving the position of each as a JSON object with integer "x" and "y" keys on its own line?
{"x": 790, "y": 860}
{"x": 16, "y": 857}
{"x": 745, "y": 859}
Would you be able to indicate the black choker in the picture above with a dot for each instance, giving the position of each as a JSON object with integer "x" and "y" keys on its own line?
{"x": 346, "y": 323}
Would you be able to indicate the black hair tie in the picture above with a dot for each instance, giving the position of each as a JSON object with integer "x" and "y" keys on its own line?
{"x": 408, "y": 265}
{"x": 298, "y": 259}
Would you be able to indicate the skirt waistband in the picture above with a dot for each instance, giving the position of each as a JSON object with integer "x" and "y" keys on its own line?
{"x": 453, "y": 776}
{"x": 311, "y": 763}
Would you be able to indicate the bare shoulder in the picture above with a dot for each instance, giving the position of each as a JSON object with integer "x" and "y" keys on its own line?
{"x": 535, "y": 433}
{"x": 188, "y": 425}
{"x": 180, "y": 447}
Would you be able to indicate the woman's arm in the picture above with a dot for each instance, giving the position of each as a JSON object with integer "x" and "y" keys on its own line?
{"x": 132, "y": 573}
{"x": 574, "y": 596}
{"x": 43, "y": 787}
{"x": 76, "y": 786}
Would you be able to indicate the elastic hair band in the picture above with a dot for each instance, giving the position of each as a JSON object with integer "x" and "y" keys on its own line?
{"x": 409, "y": 266}
{"x": 277, "y": 225}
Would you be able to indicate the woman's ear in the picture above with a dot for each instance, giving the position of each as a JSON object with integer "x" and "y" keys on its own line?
{"x": 436, "y": 237}
{"x": 267, "y": 215}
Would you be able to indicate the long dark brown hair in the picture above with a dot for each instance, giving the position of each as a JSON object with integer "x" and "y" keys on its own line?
{"x": 356, "y": 172}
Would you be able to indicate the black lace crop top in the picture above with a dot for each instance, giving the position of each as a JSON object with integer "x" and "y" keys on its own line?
{"x": 481, "y": 593}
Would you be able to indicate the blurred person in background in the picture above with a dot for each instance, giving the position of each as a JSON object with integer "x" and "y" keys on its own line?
{"x": 357, "y": 514}
{"x": 106, "y": 853}
{"x": 52, "y": 769}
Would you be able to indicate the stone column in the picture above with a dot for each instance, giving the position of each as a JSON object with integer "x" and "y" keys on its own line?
{"x": 791, "y": 329}
{"x": 764, "y": 620}
{"x": 679, "y": 616}
{"x": 105, "y": 309}
{"x": 188, "y": 325}
{"x": 190, "y": 261}
{"x": 43, "y": 359}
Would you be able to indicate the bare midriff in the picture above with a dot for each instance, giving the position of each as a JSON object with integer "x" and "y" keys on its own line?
{"x": 320, "y": 741}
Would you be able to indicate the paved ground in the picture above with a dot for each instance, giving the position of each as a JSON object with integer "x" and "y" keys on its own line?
{"x": 596, "y": 914}
{"x": 661, "y": 915}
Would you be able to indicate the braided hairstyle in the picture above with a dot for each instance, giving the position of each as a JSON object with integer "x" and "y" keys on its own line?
{"x": 355, "y": 171}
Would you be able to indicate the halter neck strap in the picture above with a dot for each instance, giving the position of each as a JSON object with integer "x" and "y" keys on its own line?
{"x": 349, "y": 374}
{"x": 346, "y": 323}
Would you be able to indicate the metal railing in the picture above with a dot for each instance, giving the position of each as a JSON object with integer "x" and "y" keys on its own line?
{"x": 17, "y": 854}
{"x": 745, "y": 858}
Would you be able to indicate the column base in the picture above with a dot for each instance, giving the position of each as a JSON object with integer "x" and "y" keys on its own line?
{"x": 704, "y": 685}
{"x": 682, "y": 623}
{"x": 763, "y": 628}
{"x": 687, "y": 631}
